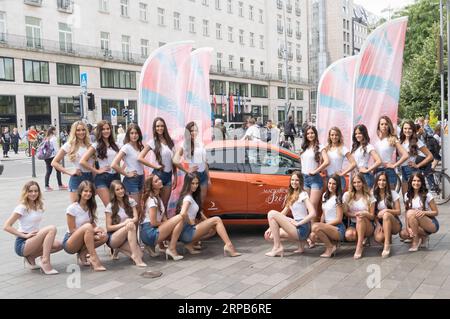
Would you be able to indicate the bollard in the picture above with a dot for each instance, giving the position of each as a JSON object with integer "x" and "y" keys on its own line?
{"x": 33, "y": 163}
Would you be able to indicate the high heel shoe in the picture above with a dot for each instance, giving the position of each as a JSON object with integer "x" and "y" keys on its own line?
{"x": 28, "y": 265}
{"x": 332, "y": 254}
{"x": 139, "y": 264}
{"x": 192, "y": 250}
{"x": 231, "y": 252}
{"x": 417, "y": 247}
{"x": 151, "y": 251}
{"x": 277, "y": 252}
{"x": 49, "y": 272}
{"x": 425, "y": 242}
{"x": 171, "y": 254}
{"x": 357, "y": 256}
{"x": 81, "y": 262}
{"x": 386, "y": 253}
{"x": 96, "y": 265}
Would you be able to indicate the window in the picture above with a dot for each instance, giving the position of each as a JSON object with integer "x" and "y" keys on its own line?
{"x": 126, "y": 47}
{"x": 270, "y": 163}
{"x": 230, "y": 62}
{"x": 176, "y": 21}
{"x": 241, "y": 64}
{"x": 230, "y": 34}
{"x": 261, "y": 42}
{"x": 261, "y": 67}
{"x": 144, "y": 48}
{"x": 252, "y": 66}
{"x": 280, "y": 71}
{"x": 241, "y": 9}
{"x": 219, "y": 62}
{"x": 218, "y": 31}
{"x": 35, "y": 71}
{"x": 299, "y": 74}
{"x": 281, "y": 93}
{"x": 118, "y": 79}
{"x": 223, "y": 160}
{"x": 241, "y": 88}
{"x": 218, "y": 5}
{"x": 192, "y": 24}
{"x": 161, "y": 16}
{"x": 261, "y": 16}
{"x": 205, "y": 3}
{"x": 65, "y": 5}
{"x": 217, "y": 87}
{"x": 33, "y": 32}
{"x": 206, "y": 28}
{"x": 230, "y": 6}
{"x": 8, "y": 107}
{"x": 68, "y": 74}
{"x": 65, "y": 37}
{"x": 299, "y": 93}
{"x": 6, "y": 69}
{"x": 291, "y": 94}
{"x": 250, "y": 12}
{"x": 37, "y": 110}
{"x": 104, "y": 41}
{"x": 124, "y": 8}
{"x": 241, "y": 36}
{"x": 260, "y": 90}
{"x": 2, "y": 26}
{"x": 103, "y": 5}
{"x": 252, "y": 39}
{"x": 143, "y": 11}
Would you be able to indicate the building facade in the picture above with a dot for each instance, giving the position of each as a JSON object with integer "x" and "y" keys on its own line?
{"x": 45, "y": 45}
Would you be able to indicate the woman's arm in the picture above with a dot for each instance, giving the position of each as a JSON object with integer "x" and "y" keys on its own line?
{"x": 325, "y": 163}
{"x": 84, "y": 162}
{"x": 352, "y": 165}
{"x": 116, "y": 165}
{"x": 311, "y": 212}
{"x": 403, "y": 156}
{"x": 71, "y": 223}
{"x": 56, "y": 164}
{"x": 109, "y": 225}
{"x": 153, "y": 211}
{"x": 339, "y": 216}
{"x": 8, "y": 226}
{"x": 376, "y": 159}
{"x": 396, "y": 210}
{"x": 184, "y": 212}
{"x": 434, "y": 210}
{"x": 428, "y": 158}
{"x": 143, "y": 161}
{"x": 176, "y": 160}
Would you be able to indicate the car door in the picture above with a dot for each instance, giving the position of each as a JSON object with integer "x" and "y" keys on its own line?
{"x": 227, "y": 195}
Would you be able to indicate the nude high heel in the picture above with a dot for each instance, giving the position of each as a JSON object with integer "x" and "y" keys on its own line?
{"x": 231, "y": 252}
{"x": 276, "y": 252}
{"x": 171, "y": 254}
{"x": 28, "y": 265}
{"x": 332, "y": 254}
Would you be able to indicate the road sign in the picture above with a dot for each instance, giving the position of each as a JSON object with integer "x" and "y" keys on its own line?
{"x": 113, "y": 116}
{"x": 83, "y": 82}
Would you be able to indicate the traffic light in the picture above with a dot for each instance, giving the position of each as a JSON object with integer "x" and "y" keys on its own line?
{"x": 91, "y": 101}
{"x": 125, "y": 112}
{"x": 131, "y": 115}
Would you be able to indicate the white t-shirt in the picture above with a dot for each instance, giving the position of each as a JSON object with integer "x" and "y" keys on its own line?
{"x": 193, "y": 208}
{"x": 122, "y": 214}
{"x": 357, "y": 205}
{"x": 110, "y": 154}
{"x": 385, "y": 150}
{"x": 308, "y": 160}
{"x": 199, "y": 157}
{"x": 253, "y": 133}
{"x": 81, "y": 216}
{"x": 166, "y": 155}
{"x": 417, "y": 203}
{"x": 151, "y": 202}
{"x": 29, "y": 219}
{"x": 412, "y": 158}
{"x": 362, "y": 158}
{"x": 329, "y": 209}
{"x": 120, "y": 138}
{"x": 382, "y": 204}
{"x": 79, "y": 155}
{"x": 337, "y": 157}
{"x": 298, "y": 209}
{"x": 131, "y": 159}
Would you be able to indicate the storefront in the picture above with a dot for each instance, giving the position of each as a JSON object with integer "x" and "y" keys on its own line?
{"x": 8, "y": 114}
{"x": 37, "y": 112}
{"x": 69, "y": 112}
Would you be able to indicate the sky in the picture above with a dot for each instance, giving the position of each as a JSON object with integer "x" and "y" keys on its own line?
{"x": 377, "y": 6}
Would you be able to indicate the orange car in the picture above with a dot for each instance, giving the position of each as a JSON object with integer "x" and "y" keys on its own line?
{"x": 248, "y": 180}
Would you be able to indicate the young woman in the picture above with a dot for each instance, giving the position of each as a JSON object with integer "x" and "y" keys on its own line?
{"x": 421, "y": 212}
{"x": 121, "y": 220}
{"x": 156, "y": 227}
{"x": 51, "y": 137}
{"x": 419, "y": 155}
{"x": 297, "y": 228}
{"x": 134, "y": 171}
{"x": 314, "y": 158}
{"x": 77, "y": 144}
{"x": 386, "y": 146}
{"x": 163, "y": 148}
{"x": 387, "y": 212}
{"x": 363, "y": 151}
{"x": 337, "y": 152}
{"x": 359, "y": 206}
{"x": 32, "y": 242}
{"x": 83, "y": 235}
{"x": 190, "y": 207}
{"x": 104, "y": 150}
{"x": 330, "y": 229}
{"x": 194, "y": 153}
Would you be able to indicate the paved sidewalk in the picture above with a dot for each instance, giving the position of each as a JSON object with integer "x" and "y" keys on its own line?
{"x": 425, "y": 274}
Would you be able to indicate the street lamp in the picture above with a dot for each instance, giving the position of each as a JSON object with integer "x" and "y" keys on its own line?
{"x": 287, "y": 105}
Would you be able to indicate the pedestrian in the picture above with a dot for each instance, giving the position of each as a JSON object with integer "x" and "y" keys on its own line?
{"x": 219, "y": 131}
{"x": 32, "y": 139}
{"x": 252, "y": 133}
{"x": 51, "y": 137}
{"x": 31, "y": 240}
{"x": 15, "y": 137}
{"x": 63, "y": 137}
{"x": 6, "y": 141}
{"x": 289, "y": 130}
{"x": 274, "y": 134}
{"x": 91, "y": 131}
{"x": 120, "y": 136}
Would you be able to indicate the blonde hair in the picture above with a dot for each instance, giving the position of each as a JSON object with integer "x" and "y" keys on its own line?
{"x": 392, "y": 136}
{"x": 340, "y": 142}
{"x": 74, "y": 142}
{"x": 365, "y": 190}
{"x": 24, "y": 196}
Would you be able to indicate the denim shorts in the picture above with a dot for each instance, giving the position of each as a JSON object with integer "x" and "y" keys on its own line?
{"x": 407, "y": 172}
{"x": 303, "y": 231}
{"x": 187, "y": 234}
{"x": 20, "y": 245}
{"x": 76, "y": 180}
{"x": 166, "y": 177}
{"x": 203, "y": 178}
{"x": 370, "y": 179}
{"x": 341, "y": 229}
{"x": 390, "y": 172}
{"x": 436, "y": 223}
{"x": 104, "y": 180}
{"x": 149, "y": 234}
{"x": 109, "y": 235}
{"x": 134, "y": 185}
{"x": 313, "y": 181}
{"x": 64, "y": 243}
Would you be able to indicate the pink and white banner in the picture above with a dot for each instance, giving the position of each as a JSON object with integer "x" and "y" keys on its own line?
{"x": 334, "y": 99}
{"x": 378, "y": 75}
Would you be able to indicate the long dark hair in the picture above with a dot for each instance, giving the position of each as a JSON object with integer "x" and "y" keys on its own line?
{"x": 423, "y": 191}
{"x": 148, "y": 192}
{"x": 186, "y": 190}
{"x": 388, "y": 201}
{"x": 102, "y": 148}
{"x": 363, "y": 130}
{"x": 316, "y": 143}
{"x": 91, "y": 203}
{"x": 115, "y": 202}
{"x": 339, "y": 192}
{"x": 413, "y": 148}
{"x": 50, "y": 131}
{"x": 136, "y": 127}
{"x": 293, "y": 194}
{"x": 189, "y": 142}
{"x": 157, "y": 140}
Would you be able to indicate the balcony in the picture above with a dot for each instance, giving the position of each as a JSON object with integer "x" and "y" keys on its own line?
{"x": 279, "y": 4}
{"x": 289, "y": 32}
{"x": 37, "y": 3}
{"x": 289, "y": 8}
{"x": 299, "y": 57}
{"x": 290, "y": 56}
{"x": 298, "y": 35}
{"x": 65, "y": 6}
{"x": 298, "y": 12}
{"x": 280, "y": 29}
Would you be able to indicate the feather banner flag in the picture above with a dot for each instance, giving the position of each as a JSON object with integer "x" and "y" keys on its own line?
{"x": 334, "y": 99}
{"x": 378, "y": 75}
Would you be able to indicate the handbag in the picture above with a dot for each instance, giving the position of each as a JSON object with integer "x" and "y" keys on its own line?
{"x": 425, "y": 168}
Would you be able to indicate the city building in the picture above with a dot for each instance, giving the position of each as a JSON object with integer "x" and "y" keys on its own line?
{"x": 46, "y": 45}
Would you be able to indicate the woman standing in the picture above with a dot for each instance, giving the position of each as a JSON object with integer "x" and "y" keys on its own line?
{"x": 363, "y": 151}
{"x": 75, "y": 148}
{"x": 104, "y": 150}
{"x": 32, "y": 242}
{"x": 15, "y": 137}
{"x": 51, "y": 137}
